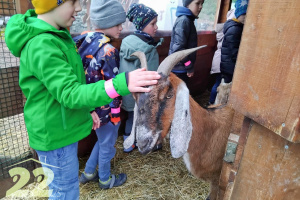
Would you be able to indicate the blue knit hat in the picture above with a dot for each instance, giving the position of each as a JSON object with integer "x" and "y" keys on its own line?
{"x": 240, "y": 7}
{"x": 140, "y": 15}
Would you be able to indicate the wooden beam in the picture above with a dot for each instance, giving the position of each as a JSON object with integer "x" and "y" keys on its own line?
{"x": 224, "y": 7}
{"x": 23, "y": 5}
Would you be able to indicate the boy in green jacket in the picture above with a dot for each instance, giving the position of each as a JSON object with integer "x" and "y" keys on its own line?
{"x": 58, "y": 100}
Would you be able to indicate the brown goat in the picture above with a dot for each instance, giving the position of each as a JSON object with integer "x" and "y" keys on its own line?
{"x": 196, "y": 134}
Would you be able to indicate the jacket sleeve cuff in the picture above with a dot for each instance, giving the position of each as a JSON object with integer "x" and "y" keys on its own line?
{"x": 110, "y": 90}
{"x": 120, "y": 84}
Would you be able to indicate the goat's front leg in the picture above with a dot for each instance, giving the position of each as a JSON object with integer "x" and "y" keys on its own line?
{"x": 214, "y": 189}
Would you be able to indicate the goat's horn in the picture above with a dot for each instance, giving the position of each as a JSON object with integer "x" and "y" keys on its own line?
{"x": 142, "y": 58}
{"x": 169, "y": 62}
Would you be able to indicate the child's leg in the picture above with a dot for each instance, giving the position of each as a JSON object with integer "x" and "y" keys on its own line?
{"x": 129, "y": 122}
{"x": 90, "y": 172}
{"x": 63, "y": 164}
{"x": 128, "y": 127}
{"x": 91, "y": 164}
{"x": 107, "y": 137}
{"x": 213, "y": 93}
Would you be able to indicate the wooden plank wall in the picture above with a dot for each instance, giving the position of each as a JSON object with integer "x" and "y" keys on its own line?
{"x": 23, "y": 5}
{"x": 266, "y": 79}
{"x": 269, "y": 168}
{"x": 266, "y": 92}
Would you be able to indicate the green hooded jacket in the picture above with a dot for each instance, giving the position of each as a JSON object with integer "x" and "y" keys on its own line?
{"x": 52, "y": 78}
{"x": 131, "y": 44}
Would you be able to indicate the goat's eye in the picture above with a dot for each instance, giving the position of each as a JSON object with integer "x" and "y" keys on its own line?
{"x": 169, "y": 96}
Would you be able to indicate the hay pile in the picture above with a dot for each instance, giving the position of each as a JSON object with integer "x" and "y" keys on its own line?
{"x": 154, "y": 176}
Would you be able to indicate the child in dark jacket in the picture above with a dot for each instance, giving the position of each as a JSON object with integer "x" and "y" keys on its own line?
{"x": 184, "y": 36}
{"x": 216, "y": 62}
{"x": 144, "y": 19}
{"x": 101, "y": 62}
{"x": 233, "y": 29}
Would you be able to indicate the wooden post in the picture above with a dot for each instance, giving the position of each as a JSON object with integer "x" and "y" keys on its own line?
{"x": 222, "y": 9}
{"x": 22, "y": 6}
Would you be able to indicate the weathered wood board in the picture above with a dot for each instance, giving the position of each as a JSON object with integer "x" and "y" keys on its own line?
{"x": 266, "y": 83}
{"x": 23, "y": 5}
{"x": 269, "y": 168}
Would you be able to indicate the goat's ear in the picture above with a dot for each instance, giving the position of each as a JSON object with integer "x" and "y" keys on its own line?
{"x": 130, "y": 139}
{"x": 181, "y": 128}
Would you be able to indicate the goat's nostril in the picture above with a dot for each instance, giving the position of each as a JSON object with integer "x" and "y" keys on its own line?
{"x": 144, "y": 145}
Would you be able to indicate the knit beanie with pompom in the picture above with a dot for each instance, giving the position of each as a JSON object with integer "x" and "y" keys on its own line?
{"x": 140, "y": 15}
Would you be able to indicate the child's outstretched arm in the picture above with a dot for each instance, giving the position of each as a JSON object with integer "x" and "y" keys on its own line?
{"x": 57, "y": 76}
{"x": 139, "y": 78}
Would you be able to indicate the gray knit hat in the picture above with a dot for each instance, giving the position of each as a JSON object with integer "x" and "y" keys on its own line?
{"x": 186, "y": 3}
{"x": 106, "y": 13}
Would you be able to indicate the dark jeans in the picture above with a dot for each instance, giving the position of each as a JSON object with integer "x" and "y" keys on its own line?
{"x": 213, "y": 93}
{"x": 103, "y": 151}
{"x": 129, "y": 122}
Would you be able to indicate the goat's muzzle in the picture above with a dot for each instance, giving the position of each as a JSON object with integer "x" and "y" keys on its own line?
{"x": 145, "y": 146}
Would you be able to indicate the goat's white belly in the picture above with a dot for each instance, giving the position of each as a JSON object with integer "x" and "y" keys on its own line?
{"x": 186, "y": 159}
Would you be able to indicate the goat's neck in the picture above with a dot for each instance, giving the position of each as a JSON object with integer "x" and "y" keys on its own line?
{"x": 207, "y": 122}
{"x": 199, "y": 114}
{"x": 208, "y": 141}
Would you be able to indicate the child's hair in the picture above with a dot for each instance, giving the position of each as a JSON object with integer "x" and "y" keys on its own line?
{"x": 44, "y": 6}
{"x": 240, "y": 8}
{"x": 140, "y": 15}
{"x": 106, "y": 13}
